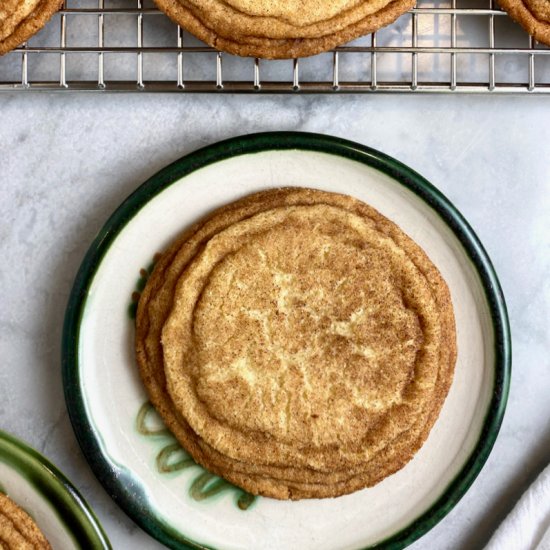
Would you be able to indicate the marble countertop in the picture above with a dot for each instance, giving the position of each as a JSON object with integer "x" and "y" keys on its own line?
{"x": 67, "y": 161}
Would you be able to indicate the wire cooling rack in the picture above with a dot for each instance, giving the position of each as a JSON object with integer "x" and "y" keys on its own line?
{"x": 129, "y": 46}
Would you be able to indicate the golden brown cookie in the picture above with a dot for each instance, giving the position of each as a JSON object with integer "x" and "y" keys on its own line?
{"x": 20, "y": 19}
{"x": 532, "y": 15}
{"x": 351, "y": 444}
{"x": 17, "y": 529}
{"x": 282, "y": 29}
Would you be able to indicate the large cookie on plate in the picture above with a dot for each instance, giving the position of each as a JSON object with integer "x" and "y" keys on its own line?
{"x": 354, "y": 437}
{"x": 17, "y": 529}
{"x": 532, "y": 15}
{"x": 20, "y": 19}
{"x": 282, "y": 29}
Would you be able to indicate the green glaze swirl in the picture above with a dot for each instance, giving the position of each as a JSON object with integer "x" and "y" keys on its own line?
{"x": 173, "y": 458}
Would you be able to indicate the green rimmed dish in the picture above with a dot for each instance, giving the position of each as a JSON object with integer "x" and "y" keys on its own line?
{"x": 58, "y": 509}
{"x": 140, "y": 464}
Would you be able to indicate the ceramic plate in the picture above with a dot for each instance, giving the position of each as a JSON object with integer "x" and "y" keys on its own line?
{"x": 143, "y": 467}
{"x": 38, "y": 487}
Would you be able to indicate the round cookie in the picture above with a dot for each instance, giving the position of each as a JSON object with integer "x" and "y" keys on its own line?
{"x": 282, "y": 30}
{"x": 19, "y": 20}
{"x": 257, "y": 476}
{"x": 17, "y": 528}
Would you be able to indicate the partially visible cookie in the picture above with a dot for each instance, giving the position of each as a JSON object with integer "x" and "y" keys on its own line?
{"x": 532, "y": 15}
{"x": 18, "y": 531}
{"x": 282, "y": 29}
{"x": 20, "y": 19}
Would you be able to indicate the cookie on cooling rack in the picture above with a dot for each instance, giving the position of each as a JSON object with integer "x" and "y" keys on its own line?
{"x": 17, "y": 528}
{"x": 20, "y": 19}
{"x": 532, "y": 15}
{"x": 282, "y": 29}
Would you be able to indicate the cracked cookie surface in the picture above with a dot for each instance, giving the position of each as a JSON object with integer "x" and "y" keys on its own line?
{"x": 297, "y": 343}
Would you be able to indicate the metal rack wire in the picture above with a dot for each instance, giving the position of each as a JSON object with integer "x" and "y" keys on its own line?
{"x": 446, "y": 46}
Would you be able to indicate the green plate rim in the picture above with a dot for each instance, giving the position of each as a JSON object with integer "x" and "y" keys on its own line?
{"x": 123, "y": 490}
{"x": 65, "y": 500}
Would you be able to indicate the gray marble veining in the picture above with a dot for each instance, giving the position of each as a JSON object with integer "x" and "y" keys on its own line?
{"x": 67, "y": 161}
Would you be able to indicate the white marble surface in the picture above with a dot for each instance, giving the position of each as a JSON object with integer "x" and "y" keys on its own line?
{"x": 66, "y": 161}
